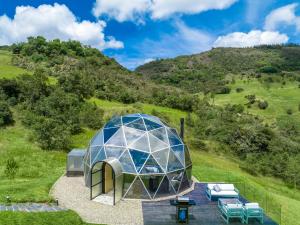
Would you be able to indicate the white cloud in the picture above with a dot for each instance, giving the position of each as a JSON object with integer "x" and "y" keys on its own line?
{"x": 253, "y": 38}
{"x": 134, "y": 10}
{"x": 52, "y": 22}
{"x": 165, "y": 8}
{"x": 148, "y": 60}
{"x": 283, "y": 16}
{"x": 122, "y": 10}
{"x": 184, "y": 41}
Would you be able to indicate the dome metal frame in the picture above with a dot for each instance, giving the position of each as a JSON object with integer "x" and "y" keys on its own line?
{"x": 155, "y": 162}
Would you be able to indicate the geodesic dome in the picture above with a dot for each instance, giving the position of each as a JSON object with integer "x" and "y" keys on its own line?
{"x": 155, "y": 162}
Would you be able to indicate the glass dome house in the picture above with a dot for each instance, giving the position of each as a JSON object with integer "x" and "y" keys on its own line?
{"x": 137, "y": 156}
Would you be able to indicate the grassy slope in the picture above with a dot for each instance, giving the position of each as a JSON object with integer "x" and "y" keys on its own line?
{"x": 38, "y": 169}
{"x": 280, "y": 98}
{"x": 41, "y": 218}
{"x": 6, "y": 69}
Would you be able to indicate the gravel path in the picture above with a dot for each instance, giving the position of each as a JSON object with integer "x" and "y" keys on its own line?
{"x": 31, "y": 207}
{"x": 72, "y": 194}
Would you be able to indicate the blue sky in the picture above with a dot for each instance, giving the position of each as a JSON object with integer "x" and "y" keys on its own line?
{"x": 138, "y": 31}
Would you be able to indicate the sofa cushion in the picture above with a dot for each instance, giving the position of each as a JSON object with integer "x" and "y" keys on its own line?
{"x": 227, "y": 187}
{"x": 252, "y": 206}
{"x": 217, "y": 188}
{"x": 224, "y": 193}
{"x": 234, "y": 206}
{"x": 210, "y": 186}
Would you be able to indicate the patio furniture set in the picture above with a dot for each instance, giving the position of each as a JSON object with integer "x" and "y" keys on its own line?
{"x": 230, "y": 206}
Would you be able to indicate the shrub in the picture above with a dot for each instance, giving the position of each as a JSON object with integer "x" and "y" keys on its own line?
{"x": 299, "y": 107}
{"x": 289, "y": 111}
{"x": 224, "y": 90}
{"x": 239, "y": 90}
{"x": 11, "y": 168}
{"x": 263, "y": 104}
{"x": 251, "y": 99}
{"x": 52, "y": 134}
{"x": 6, "y": 116}
{"x": 268, "y": 69}
{"x": 91, "y": 116}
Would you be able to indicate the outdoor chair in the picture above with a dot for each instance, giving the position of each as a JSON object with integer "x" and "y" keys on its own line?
{"x": 229, "y": 211}
{"x": 221, "y": 191}
{"x": 253, "y": 210}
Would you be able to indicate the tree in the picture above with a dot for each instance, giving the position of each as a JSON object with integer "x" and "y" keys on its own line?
{"x": 91, "y": 116}
{"x": 51, "y": 134}
{"x": 6, "y": 116}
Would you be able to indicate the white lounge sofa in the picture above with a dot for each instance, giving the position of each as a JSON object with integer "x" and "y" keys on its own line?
{"x": 221, "y": 191}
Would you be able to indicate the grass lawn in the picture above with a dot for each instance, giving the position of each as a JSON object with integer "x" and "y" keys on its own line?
{"x": 41, "y": 218}
{"x": 280, "y": 99}
{"x": 38, "y": 169}
{"x": 7, "y": 70}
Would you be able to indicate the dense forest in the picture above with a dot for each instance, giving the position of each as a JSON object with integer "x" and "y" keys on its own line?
{"x": 53, "y": 100}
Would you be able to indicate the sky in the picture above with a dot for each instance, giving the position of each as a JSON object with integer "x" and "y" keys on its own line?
{"x": 135, "y": 32}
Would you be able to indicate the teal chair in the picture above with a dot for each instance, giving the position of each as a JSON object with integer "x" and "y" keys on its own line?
{"x": 253, "y": 211}
{"x": 230, "y": 211}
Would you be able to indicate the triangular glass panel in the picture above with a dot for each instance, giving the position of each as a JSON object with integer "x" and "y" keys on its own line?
{"x": 173, "y": 162}
{"x": 97, "y": 139}
{"x": 117, "y": 139}
{"x": 129, "y": 119}
{"x": 151, "y": 166}
{"x": 127, "y": 181}
{"x": 174, "y": 131}
{"x": 114, "y": 152}
{"x": 100, "y": 156}
{"x": 165, "y": 189}
{"x": 139, "y": 158}
{"x": 189, "y": 174}
{"x": 185, "y": 184}
{"x": 162, "y": 158}
{"x": 150, "y": 125}
{"x": 94, "y": 152}
{"x": 137, "y": 190}
{"x": 114, "y": 122}
{"x": 152, "y": 118}
{"x": 126, "y": 162}
{"x": 179, "y": 152}
{"x": 134, "y": 115}
{"x": 151, "y": 183}
{"x": 175, "y": 179}
{"x": 156, "y": 144}
{"x": 108, "y": 133}
{"x": 87, "y": 157}
{"x": 161, "y": 134}
{"x": 187, "y": 157}
{"x": 173, "y": 138}
{"x": 137, "y": 124}
{"x": 132, "y": 134}
{"x": 141, "y": 144}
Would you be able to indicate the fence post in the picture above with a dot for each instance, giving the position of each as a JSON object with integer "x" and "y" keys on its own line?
{"x": 280, "y": 214}
{"x": 266, "y": 202}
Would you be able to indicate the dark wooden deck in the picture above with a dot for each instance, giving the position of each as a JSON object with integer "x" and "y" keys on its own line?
{"x": 204, "y": 213}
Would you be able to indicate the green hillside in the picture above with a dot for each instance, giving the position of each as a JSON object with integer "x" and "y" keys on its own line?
{"x": 230, "y": 139}
{"x": 207, "y": 72}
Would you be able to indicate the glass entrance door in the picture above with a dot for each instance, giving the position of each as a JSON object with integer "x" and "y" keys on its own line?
{"x": 96, "y": 180}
